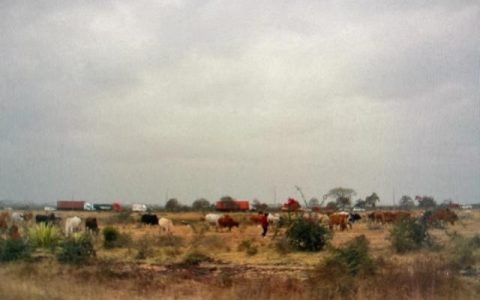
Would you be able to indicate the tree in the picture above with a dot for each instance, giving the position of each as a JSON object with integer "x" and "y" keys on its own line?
{"x": 313, "y": 203}
{"x": 331, "y": 205}
{"x": 406, "y": 202}
{"x": 426, "y": 202}
{"x": 201, "y": 204}
{"x": 360, "y": 203}
{"x": 173, "y": 205}
{"x": 372, "y": 200}
{"x": 341, "y": 195}
{"x": 258, "y": 206}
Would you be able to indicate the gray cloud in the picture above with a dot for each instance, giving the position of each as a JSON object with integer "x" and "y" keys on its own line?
{"x": 130, "y": 101}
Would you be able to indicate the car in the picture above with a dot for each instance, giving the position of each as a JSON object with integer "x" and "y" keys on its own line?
{"x": 49, "y": 208}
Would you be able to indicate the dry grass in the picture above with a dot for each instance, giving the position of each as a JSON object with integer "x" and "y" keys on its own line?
{"x": 121, "y": 273}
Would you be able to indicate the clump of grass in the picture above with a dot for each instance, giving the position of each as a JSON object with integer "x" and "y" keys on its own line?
{"x": 44, "y": 236}
{"x": 195, "y": 257}
{"x": 124, "y": 217}
{"x": 282, "y": 246}
{"x": 248, "y": 246}
{"x": 77, "y": 249}
{"x": 462, "y": 250}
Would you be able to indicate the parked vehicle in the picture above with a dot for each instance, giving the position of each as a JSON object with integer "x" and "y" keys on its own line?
{"x": 70, "y": 205}
{"x": 139, "y": 207}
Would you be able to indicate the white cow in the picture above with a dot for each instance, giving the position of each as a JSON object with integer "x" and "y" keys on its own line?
{"x": 72, "y": 225}
{"x": 166, "y": 226}
{"x": 17, "y": 217}
{"x": 212, "y": 219}
{"x": 273, "y": 218}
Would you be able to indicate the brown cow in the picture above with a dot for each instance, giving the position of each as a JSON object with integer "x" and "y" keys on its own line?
{"x": 443, "y": 215}
{"x": 91, "y": 225}
{"x": 13, "y": 232}
{"x": 338, "y": 219}
{"x": 227, "y": 222}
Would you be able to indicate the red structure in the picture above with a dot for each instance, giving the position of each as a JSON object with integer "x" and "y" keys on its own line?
{"x": 236, "y": 205}
{"x": 70, "y": 205}
{"x": 291, "y": 205}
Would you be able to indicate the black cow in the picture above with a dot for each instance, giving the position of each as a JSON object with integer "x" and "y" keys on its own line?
{"x": 149, "y": 219}
{"x": 47, "y": 219}
{"x": 91, "y": 225}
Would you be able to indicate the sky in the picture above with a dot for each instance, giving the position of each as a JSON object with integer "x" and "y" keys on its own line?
{"x": 140, "y": 101}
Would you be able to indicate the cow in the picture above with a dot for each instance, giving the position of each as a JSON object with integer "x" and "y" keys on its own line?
{"x": 47, "y": 219}
{"x": 257, "y": 219}
{"x": 443, "y": 215}
{"x": 27, "y": 216}
{"x": 166, "y": 226}
{"x": 13, "y": 232}
{"x": 227, "y": 222}
{"x": 149, "y": 219}
{"x": 72, "y": 225}
{"x": 91, "y": 225}
{"x": 273, "y": 219}
{"x": 212, "y": 219}
{"x": 338, "y": 219}
{"x": 3, "y": 223}
{"x": 17, "y": 217}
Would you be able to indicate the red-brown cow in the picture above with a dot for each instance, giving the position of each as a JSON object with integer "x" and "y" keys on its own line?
{"x": 443, "y": 215}
{"x": 227, "y": 222}
{"x": 338, "y": 219}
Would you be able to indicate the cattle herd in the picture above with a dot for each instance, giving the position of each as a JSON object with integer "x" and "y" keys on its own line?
{"x": 334, "y": 220}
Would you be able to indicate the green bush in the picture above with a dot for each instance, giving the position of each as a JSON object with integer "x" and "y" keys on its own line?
{"x": 307, "y": 236}
{"x": 462, "y": 250}
{"x": 113, "y": 238}
{"x": 76, "y": 250}
{"x": 13, "y": 249}
{"x": 409, "y": 235}
{"x": 44, "y": 236}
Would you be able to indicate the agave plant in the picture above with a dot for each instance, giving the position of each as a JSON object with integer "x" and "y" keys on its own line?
{"x": 44, "y": 236}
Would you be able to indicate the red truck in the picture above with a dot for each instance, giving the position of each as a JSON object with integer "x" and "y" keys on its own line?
{"x": 237, "y": 205}
{"x": 70, "y": 205}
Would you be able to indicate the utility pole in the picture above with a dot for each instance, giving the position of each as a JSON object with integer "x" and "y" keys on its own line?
{"x": 394, "y": 198}
{"x": 274, "y": 196}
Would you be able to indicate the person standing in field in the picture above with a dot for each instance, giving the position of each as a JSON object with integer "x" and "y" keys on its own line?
{"x": 264, "y": 223}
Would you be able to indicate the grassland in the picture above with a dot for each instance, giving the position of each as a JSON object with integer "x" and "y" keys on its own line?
{"x": 147, "y": 265}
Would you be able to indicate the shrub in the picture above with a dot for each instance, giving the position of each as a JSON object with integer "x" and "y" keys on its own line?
{"x": 76, "y": 250}
{"x": 44, "y": 236}
{"x": 113, "y": 238}
{"x": 307, "y": 236}
{"x": 282, "y": 246}
{"x": 13, "y": 249}
{"x": 353, "y": 257}
{"x": 409, "y": 235}
{"x": 462, "y": 250}
{"x": 195, "y": 257}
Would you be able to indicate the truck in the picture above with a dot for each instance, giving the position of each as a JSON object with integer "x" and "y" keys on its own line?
{"x": 70, "y": 205}
{"x": 139, "y": 207}
{"x": 103, "y": 207}
{"x": 237, "y": 205}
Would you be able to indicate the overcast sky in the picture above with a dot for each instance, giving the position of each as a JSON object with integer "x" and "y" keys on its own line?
{"x": 139, "y": 100}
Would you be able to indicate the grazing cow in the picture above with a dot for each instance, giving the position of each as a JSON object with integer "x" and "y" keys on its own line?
{"x": 273, "y": 219}
{"x": 166, "y": 226}
{"x": 13, "y": 232}
{"x": 72, "y": 225}
{"x": 3, "y": 224}
{"x": 443, "y": 215}
{"x": 149, "y": 219}
{"x": 47, "y": 219}
{"x": 91, "y": 225}
{"x": 257, "y": 219}
{"x": 17, "y": 217}
{"x": 227, "y": 222}
{"x": 338, "y": 219}
{"x": 212, "y": 219}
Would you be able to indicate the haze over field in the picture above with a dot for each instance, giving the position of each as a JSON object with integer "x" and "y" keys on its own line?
{"x": 133, "y": 100}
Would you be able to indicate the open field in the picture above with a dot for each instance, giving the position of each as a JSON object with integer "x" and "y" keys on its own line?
{"x": 232, "y": 272}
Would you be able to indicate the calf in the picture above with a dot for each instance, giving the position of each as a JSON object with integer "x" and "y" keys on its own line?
{"x": 47, "y": 219}
{"x": 149, "y": 219}
{"x": 338, "y": 219}
{"x": 91, "y": 225}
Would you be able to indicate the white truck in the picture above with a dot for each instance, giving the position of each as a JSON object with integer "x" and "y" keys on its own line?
{"x": 139, "y": 207}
